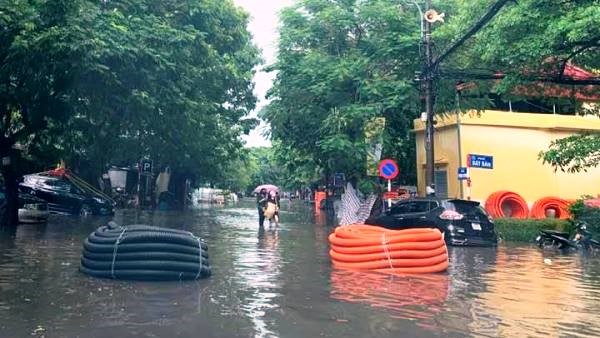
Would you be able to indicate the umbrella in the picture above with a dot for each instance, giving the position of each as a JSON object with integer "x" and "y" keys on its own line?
{"x": 269, "y": 187}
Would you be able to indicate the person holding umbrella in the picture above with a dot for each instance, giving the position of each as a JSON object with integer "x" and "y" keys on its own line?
{"x": 262, "y": 197}
{"x": 261, "y": 204}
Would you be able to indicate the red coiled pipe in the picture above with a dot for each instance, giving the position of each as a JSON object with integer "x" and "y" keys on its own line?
{"x": 506, "y": 204}
{"x": 559, "y": 205}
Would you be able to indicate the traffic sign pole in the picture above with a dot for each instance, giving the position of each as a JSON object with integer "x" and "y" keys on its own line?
{"x": 388, "y": 169}
{"x": 389, "y": 190}
{"x": 468, "y": 189}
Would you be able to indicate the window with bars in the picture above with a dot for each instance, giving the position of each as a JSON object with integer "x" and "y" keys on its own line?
{"x": 441, "y": 183}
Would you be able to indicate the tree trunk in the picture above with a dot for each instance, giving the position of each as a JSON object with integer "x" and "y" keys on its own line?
{"x": 10, "y": 219}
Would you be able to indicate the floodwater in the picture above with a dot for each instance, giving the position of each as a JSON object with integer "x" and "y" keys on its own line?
{"x": 278, "y": 282}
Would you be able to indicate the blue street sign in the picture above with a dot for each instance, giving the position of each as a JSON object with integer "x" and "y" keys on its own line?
{"x": 480, "y": 161}
{"x": 463, "y": 173}
{"x": 146, "y": 166}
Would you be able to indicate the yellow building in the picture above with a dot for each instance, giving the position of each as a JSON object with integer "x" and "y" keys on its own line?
{"x": 510, "y": 142}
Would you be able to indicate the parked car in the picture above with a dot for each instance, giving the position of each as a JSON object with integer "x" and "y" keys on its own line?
{"x": 64, "y": 197}
{"x": 31, "y": 208}
{"x": 462, "y": 222}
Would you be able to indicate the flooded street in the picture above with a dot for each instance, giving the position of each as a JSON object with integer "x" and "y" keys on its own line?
{"x": 278, "y": 282}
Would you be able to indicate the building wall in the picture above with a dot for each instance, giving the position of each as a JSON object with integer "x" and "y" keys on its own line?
{"x": 514, "y": 140}
{"x": 446, "y": 157}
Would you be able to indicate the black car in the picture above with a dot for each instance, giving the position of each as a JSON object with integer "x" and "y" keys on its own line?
{"x": 31, "y": 208}
{"x": 64, "y": 197}
{"x": 462, "y": 222}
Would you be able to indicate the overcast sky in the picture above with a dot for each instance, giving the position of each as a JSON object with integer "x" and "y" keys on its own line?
{"x": 263, "y": 26}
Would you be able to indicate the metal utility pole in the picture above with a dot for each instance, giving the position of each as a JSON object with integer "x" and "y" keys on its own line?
{"x": 429, "y": 97}
{"x": 430, "y": 72}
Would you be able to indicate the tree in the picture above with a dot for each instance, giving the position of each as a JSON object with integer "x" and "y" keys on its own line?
{"x": 529, "y": 42}
{"x": 340, "y": 64}
{"x": 96, "y": 82}
{"x": 36, "y": 72}
{"x": 174, "y": 87}
{"x": 532, "y": 38}
{"x": 574, "y": 153}
{"x": 266, "y": 168}
{"x": 297, "y": 169}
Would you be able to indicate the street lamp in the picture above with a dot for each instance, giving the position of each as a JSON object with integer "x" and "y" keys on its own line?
{"x": 420, "y": 16}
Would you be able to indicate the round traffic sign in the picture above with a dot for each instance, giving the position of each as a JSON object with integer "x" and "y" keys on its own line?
{"x": 388, "y": 169}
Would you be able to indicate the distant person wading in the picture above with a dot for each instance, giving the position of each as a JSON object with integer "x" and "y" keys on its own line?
{"x": 272, "y": 210}
{"x": 261, "y": 204}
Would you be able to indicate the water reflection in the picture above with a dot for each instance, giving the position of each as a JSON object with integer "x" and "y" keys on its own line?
{"x": 510, "y": 291}
{"x": 278, "y": 282}
{"x": 256, "y": 270}
{"x": 323, "y": 217}
{"x": 467, "y": 271}
{"x": 417, "y": 297}
{"x": 527, "y": 295}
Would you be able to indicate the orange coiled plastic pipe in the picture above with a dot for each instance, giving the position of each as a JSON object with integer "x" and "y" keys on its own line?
{"x": 559, "y": 205}
{"x": 343, "y": 257}
{"x": 367, "y": 247}
{"x": 440, "y": 267}
{"x": 506, "y": 204}
{"x": 391, "y": 247}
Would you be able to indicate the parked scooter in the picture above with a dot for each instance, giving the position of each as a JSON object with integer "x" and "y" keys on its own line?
{"x": 560, "y": 240}
{"x": 123, "y": 199}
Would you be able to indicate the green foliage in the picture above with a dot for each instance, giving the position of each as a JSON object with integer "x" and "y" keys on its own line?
{"x": 578, "y": 208}
{"x": 526, "y": 230}
{"x": 99, "y": 82}
{"x": 256, "y": 166}
{"x": 339, "y": 65}
{"x": 533, "y": 37}
{"x": 36, "y": 66}
{"x": 529, "y": 36}
{"x": 590, "y": 215}
{"x": 239, "y": 174}
{"x": 343, "y": 63}
{"x": 573, "y": 153}
{"x": 270, "y": 165}
{"x": 296, "y": 168}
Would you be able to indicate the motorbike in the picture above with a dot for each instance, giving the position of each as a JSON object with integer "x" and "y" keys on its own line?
{"x": 560, "y": 240}
{"x": 122, "y": 198}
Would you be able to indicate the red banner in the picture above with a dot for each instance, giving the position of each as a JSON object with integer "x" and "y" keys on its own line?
{"x": 390, "y": 195}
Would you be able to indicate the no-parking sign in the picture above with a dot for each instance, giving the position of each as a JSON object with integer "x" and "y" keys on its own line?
{"x": 388, "y": 169}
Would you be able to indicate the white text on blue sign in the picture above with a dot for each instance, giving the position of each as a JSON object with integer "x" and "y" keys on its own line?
{"x": 481, "y": 161}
